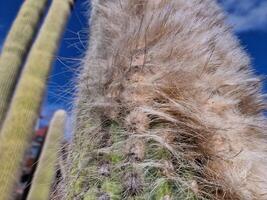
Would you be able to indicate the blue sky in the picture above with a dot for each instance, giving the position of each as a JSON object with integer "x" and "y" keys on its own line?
{"x": 248, "y": 17}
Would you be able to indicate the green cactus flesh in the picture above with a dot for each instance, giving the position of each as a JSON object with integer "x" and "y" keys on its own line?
{"x": 114, "y": 171}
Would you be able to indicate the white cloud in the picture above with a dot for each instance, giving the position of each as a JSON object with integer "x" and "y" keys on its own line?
{"x": 246, "y": 15}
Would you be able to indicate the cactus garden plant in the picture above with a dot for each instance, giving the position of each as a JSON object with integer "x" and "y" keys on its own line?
{"x": 168, "y": 107}
{"x": 15, "y": 48}
{"x": 18, "y": 126}
{"x": 44, "y": 176}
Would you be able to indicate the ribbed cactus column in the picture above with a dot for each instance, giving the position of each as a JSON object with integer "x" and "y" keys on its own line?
{"x": 23, "y": 113}
{"x": 44, "y": 175}
{"x": 164, "y": 107}
{"x": 16, "y": 47}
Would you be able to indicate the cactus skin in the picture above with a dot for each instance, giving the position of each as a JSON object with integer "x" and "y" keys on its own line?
{"x": 44, "y": 175}
{"x": 168, "y": 107}
{"x": 15, "y": 48}
{"x": 21, "y": 118}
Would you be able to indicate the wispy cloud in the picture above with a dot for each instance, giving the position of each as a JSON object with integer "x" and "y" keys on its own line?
{"x": 246, "y": 15}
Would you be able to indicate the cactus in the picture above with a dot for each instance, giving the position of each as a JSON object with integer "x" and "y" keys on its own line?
{"x": 168, "y": 107}
{"x": 16, "y": 47}
{"x": 23, "y": 113}
{"x": 44, "y": 175}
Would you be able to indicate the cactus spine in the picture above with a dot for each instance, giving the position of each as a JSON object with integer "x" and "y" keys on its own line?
{"x": 168, "y": 107}
{"x": 44, "y": 175}
{"x": 21, "y": 118}
{"x": 16, "y": 47}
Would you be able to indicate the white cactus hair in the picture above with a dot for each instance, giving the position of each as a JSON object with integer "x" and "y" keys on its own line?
{"x": 171, "y": 71}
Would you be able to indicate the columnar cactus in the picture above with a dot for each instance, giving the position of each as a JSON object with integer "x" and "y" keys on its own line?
{"x": 44, "y": 176}
{"x": 16, "y": 47}
{"x": 168, "y": 107}
{"x": 21, "y": 118}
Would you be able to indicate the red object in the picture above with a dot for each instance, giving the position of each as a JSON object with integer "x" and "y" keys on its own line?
{"x": 29, "y": 162}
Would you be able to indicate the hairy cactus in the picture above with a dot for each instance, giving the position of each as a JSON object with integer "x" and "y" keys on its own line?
{"x": 21, "y": 118}
{"x": 16, "y": 47}
{"x": 44, "y": 176}
{"x": 168, "y": 107}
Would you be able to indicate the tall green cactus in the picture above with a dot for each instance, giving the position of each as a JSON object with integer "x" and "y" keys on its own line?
{"x": 168, "y": 108}
{"x": 44, "y": 175}
{"x": 16, "y": 47}
{"x": 24, "y": 110}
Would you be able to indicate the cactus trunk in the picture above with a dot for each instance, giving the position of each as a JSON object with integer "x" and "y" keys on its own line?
{"x": 18, "y": 126}
{"x": 44, "y": 176}
{"x": 167, "y": 107}
{"x": 15, "y": 48}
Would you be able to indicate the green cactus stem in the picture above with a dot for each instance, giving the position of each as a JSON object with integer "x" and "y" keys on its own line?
{"x": 44, "y": 176}
{"x": 21, "y": 118}
{"x": 15, "y": 48}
